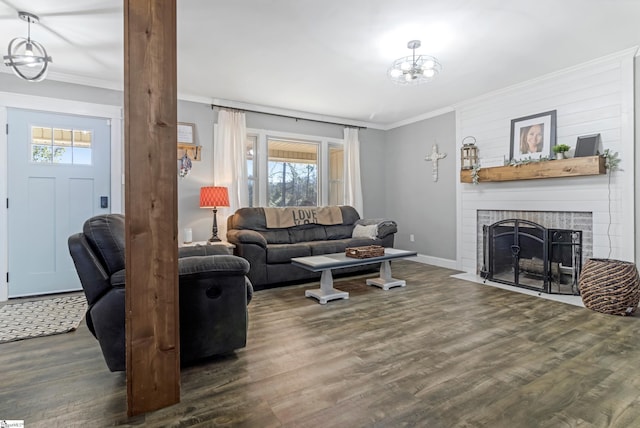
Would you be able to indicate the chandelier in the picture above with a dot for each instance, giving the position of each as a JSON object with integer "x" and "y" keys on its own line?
{"x": 414, "y": 69}
{"x": 26, "y": 57}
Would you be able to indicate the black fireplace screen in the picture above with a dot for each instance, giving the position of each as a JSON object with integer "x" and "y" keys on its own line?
{"x": 525, "y": 254}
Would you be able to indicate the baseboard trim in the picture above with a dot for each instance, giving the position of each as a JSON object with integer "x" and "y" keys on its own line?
{"x": 435, "y": 261}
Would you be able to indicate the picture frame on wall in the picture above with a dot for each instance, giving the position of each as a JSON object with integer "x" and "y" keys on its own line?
{"x": 187, "y": 142}
{"x": 532, "y": 137}
{"x": 186, "y": 133}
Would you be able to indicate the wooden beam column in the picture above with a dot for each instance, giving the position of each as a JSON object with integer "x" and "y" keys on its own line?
{"x": 150, "y": 103}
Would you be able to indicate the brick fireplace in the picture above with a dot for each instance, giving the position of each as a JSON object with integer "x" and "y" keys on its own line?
{"x": 589, "y": 204}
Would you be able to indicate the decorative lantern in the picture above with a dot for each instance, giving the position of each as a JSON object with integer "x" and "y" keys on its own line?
{"x": 468, "y": 153}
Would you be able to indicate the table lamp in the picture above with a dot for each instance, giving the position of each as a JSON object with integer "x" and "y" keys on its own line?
{"x": 214, "y": 197}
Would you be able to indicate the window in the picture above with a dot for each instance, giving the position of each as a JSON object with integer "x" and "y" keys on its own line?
{"x": 286, "y": 169}
{"x": 60, "y": 146}
{"x": 292, "y": 173}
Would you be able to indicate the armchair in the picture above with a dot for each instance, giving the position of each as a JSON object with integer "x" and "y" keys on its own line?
{"x": 214, "y": 293}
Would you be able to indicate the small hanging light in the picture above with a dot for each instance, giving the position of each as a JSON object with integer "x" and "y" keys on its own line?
{"x": 468, "y": 153}
{"x": 27, "y": 58}
{"x": 414, "y": 69}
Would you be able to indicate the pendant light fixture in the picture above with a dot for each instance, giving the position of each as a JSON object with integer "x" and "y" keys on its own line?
{"x": 414, "y": 69}
{"x": 27, "y": 58}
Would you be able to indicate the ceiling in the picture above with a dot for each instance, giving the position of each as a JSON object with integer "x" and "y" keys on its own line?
{"x": 330, "y": 57}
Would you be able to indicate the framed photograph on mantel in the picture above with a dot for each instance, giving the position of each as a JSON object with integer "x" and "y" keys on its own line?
{"x": 533, "y": 136}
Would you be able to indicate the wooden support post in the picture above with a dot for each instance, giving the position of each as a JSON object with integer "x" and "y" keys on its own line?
{"x": 150, "y": 105}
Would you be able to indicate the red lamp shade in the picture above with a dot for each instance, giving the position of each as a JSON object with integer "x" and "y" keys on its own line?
{"x": 214, "y": 196}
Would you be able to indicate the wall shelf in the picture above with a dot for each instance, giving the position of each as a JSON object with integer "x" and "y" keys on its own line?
{"x": 194, "y": 152}
{"x": 574, "y": 167}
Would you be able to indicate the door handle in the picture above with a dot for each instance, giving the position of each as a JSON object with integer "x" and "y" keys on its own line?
{"x": 104, "y": 202}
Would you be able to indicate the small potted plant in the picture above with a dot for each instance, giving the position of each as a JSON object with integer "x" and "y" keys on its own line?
{"x": 560, "y": 150}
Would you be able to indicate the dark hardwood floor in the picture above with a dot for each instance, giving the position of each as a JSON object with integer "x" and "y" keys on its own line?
{"x": 440, "y": 352}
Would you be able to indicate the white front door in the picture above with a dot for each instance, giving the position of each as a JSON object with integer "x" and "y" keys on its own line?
{"x": 58, "y": 177}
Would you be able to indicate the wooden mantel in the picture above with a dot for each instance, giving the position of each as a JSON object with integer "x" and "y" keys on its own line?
{"x": 574, "y": 167}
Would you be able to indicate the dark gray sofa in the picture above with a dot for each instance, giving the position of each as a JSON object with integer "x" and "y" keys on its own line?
{"x": 269, "y": 251}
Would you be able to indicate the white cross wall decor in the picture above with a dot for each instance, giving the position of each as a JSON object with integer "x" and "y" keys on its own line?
{"x": 435, "y": 157}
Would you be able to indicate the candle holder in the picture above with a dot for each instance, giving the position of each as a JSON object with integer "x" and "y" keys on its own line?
{"x": 468, "y": 153}
{"x": 187, "y": 235}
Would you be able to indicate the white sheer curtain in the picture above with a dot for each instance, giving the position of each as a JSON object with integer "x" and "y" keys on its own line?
{"x": 353, "y": 187}
{"x": 230, "y": 164}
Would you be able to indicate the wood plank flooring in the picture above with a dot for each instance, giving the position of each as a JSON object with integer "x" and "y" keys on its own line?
{"x": 441, "y": 352}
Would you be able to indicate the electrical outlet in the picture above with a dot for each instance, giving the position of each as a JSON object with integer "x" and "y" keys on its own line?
{"x": 412, "y": 238}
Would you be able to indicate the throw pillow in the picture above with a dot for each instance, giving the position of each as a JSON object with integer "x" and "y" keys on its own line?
{"x": 361, "y": 231}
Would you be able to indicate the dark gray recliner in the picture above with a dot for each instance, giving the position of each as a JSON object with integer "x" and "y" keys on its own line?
{"x": 214, "y": 293}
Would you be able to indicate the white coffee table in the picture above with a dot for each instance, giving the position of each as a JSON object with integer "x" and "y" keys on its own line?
{"x": 326, "y": 262}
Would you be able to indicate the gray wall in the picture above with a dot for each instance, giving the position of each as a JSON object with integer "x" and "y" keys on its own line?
{"x": 296, "y": 126}
{"x": 189, "y": 212}
{"x": 422, "y": 207}
{"x": 373, "y": 172}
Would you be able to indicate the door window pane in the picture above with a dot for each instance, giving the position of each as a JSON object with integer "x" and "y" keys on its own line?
{"x": 82, "y": 156}
{"x": 40, "y": 153}
{"x": 58, "y": 145}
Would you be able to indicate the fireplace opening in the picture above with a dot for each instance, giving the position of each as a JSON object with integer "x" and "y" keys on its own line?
{"x": 525, "y": 254}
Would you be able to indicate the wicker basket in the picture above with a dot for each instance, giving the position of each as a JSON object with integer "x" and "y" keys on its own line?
{"x": 610, "y": 286}
{"x": 365, "y": 252}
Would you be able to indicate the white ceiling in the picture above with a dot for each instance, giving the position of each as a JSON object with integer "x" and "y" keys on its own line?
{"x": 330, "y": 57}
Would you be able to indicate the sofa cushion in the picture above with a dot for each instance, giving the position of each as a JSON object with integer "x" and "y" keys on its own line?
{"x": 339, "y": 231}
{"x": 327, "y": 247}
{"x": 311, "y": 232}
{"x": 247, "y": 218}
{"x": 282, "y": 253}
{"x": 276, "y": 236}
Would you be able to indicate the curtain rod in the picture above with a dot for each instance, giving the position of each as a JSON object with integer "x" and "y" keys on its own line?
{"x": 289, "y": 117}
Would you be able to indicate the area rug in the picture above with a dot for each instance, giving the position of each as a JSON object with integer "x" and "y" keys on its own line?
{"x": 41, "y": 317}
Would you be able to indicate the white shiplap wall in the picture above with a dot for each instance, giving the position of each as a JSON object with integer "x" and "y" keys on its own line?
{"x": 596, "y": 97}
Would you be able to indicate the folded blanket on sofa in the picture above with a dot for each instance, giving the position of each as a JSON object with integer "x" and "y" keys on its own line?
{"x": 296, "y": 216}
{"x": 383, "y": 226}
{"x": 376, "y": 221}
